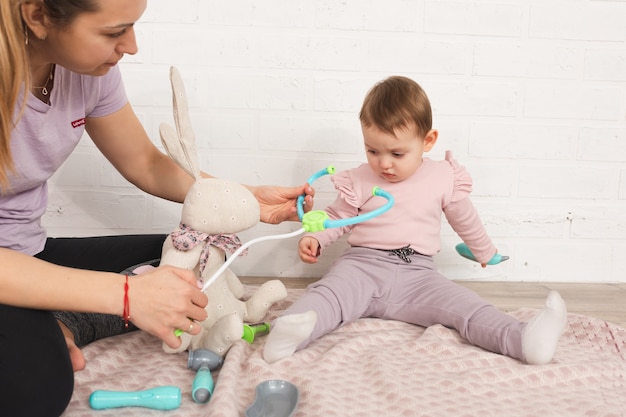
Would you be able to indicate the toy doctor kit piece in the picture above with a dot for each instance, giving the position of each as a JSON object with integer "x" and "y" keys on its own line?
{"x": 251, "y": 331}
{"x": 274, "y": 398}
{"x": 158, "y": 398}
{"x": 203, "y": 361}
{"x": 465, "y": 252}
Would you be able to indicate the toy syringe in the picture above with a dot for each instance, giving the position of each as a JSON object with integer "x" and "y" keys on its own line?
{"x": 313, "y": 221}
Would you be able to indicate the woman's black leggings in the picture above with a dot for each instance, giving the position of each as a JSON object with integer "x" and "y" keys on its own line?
{"x": 36, "y": 377}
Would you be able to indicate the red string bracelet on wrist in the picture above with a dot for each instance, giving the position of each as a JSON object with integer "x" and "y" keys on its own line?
{"x": 126, "y": 312}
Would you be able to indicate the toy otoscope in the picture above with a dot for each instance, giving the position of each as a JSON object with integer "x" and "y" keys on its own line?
{"x": 313, "y": 221}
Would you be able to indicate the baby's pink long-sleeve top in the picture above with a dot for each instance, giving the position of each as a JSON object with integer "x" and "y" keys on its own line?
{"x": 415, "y": 218}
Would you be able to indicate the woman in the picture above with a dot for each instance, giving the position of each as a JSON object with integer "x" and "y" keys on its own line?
{"x": 58, "y": 77}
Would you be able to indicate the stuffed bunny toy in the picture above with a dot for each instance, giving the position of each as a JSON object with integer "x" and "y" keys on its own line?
{"x": 213, "y": 211}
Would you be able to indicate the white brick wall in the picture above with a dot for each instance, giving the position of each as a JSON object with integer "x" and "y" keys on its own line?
{"x": 529, "y": 95}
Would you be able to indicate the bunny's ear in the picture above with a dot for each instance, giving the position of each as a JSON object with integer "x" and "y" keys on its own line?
{"x": 180, "y": 144}
{"x": 169, "y": 139}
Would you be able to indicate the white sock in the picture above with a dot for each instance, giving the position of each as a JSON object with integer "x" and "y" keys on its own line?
{"x": 286, "y": 334}
{"x": 542, "y": 333}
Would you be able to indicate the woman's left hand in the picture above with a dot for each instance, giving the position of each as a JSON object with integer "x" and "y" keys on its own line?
{"x": 278, "y": 204}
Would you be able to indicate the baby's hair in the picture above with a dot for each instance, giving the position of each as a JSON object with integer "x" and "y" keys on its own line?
{"x": 396, "y": 103}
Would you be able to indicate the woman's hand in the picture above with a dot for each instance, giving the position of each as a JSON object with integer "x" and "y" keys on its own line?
{"x": 165, "y": 299}
{"x": 278, "y": 204}
{"x": 309, "y": 249}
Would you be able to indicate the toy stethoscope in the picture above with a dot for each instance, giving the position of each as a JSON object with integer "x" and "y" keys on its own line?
{"x": 313, "y": 221}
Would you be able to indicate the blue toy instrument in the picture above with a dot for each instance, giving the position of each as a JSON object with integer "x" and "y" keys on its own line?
{"x": 465, "y": 252}
{"x": 158, "y": 398}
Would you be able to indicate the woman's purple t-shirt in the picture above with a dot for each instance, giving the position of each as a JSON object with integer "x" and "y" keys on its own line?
{"x": 43, "y": 139}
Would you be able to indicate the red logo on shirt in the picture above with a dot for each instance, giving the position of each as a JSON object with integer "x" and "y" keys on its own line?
{"x": 77, "y": 123}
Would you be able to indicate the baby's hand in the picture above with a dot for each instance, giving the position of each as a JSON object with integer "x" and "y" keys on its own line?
{"x": 309, "y": 249}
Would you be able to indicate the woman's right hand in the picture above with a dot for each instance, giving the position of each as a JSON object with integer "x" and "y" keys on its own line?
{"x": 165, "y": 299}
{"x": 309, "y": 249}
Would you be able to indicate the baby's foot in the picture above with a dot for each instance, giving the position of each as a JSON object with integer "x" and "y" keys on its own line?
{"x": 542, "y": 333}
{"x": 286, "y": 334}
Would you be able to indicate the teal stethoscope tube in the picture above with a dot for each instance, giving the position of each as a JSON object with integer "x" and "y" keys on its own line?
{"x": 316, "y": 221}
{"x": 367, "y": 216}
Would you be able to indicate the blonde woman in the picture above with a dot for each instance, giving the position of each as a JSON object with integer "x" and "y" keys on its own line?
{"x": 58, "y": 78}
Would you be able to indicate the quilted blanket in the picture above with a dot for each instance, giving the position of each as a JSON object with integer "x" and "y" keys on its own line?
{"x": 378, "y": 368}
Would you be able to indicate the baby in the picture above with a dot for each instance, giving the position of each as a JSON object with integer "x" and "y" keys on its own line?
{"x": 388, "y": 271}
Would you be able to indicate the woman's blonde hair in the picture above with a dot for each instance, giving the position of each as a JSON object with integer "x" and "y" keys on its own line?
{"x": 15, "y": 79}
{"x": 14, "y": 76}
{"x": 396, "y": 103}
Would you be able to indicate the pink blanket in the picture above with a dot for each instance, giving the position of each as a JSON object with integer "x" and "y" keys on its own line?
{"x": 379, "y": 368}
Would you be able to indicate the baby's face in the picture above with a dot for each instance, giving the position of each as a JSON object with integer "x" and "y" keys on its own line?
{"x": 394, "y": 158}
